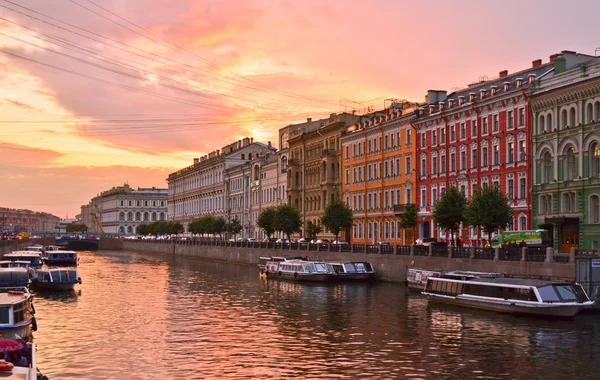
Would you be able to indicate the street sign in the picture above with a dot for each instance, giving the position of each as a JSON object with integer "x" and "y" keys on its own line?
{"x": 595, "y": 263}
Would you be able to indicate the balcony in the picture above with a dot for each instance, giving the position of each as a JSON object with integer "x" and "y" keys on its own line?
{"x": 400, "y": 209}
{"x": 328, "y": 153}
{"x": 293, "y": 162}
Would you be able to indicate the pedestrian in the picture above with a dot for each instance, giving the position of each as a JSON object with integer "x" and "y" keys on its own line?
{"x": 522, "y": 244}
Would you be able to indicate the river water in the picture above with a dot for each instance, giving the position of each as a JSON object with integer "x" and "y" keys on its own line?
{"x": 140, "y": 316}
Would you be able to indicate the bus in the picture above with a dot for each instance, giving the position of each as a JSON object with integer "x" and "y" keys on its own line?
{"x": 533, "y": 238}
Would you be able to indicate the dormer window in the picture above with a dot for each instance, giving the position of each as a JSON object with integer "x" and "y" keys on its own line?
{"x": 493, "y": 90}
{"x": 519, "y": 82}
{"x": 450, "y": 103}
{"x": 506, "y": 86}
{"x": 481, "y": 93}
{"x": 461, "y": 100}
{"x": 531, "y": 78}
{"x": 441, "y": 106}
{"x": 431, "y": 108}
{"x": 471, "y": 96}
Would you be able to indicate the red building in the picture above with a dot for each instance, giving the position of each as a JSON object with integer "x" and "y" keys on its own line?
{"x": 479, "y": 136}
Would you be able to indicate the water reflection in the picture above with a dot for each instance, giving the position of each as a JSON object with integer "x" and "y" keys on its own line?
{"x": 150, "y": 317}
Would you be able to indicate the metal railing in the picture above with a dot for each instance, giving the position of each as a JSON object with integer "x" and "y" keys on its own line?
{"x": 510, "y": 254}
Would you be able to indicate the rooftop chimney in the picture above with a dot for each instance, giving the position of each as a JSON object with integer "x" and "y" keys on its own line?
{"x": 308, "y": 119}
{"x": 196, "y": 160}
{"x": 536, "y": 63}
{"x": 503, "y": 73}
{"x": 553, "y": 57}
{"x": 560, "y": 64}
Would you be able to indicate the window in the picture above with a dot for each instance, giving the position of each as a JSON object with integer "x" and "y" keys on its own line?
{"x": 423, "y": 197}
{"x": 423, "y": 167}
{"x": 568, "y": 202}
{"x": 463, "y": 130}
{"x": 510, "y": 119}
{"x": 473, "y": 128}
{"x": 495, "y": 124}
{"x": 408, "y": 166}
{"x": 408, "y": 198}
{"x": 386, "y": 142}
{"x": 463, "y": 160}
{"x": 347, "y": 176}
{"x": 484, "y": 125}
{"x": 496, "y": 155}
{"x": 121, "y": 216}
{"x": 452, "y": 133}
{"x": 347, "y": 152}
{"x": 353, "y": 150}
{"x": 408, "y": 142}
{"x": 594, "y": 159}
{"x": 369, "y": 201}
{"x": 545, "y": 204}
{"x": 484, "y": 156}
{"x": 510, "y": 187}
{"x": 397, "y": 166}
{"x": 595, "y": 209}
{"x": 443, "y": 135}
{"x": 474, "y": 158}
{"x": 434, "y": 137}
{"x": 398, "y": 138}
{"x": 370, "y": 175}
{"x": 434, "y": 165}
{"x": 522, "y": 151}
{"x": 130, "y": 216}
{"x": 452, "y": 162}
{"x": 434, "y": 197}
{"x": 122, "y": 203}
{"x": 137, "y": 203}
{"x": 423, "y": 140}
{"x": 129, "y": 203}
{"x": 522, "y": 188}
{"x": 386, "y": 169}
{"x": 386, "y": 199}
{"x": 523, "y": 222}
{"x": 510, "y": 152}
{"x": 572, "y": 117}
{"x": 392, "y": 140}
{"x": 443, "y": 164}
{"x": 521, "y": 117}
{"x": 571, "y": 162}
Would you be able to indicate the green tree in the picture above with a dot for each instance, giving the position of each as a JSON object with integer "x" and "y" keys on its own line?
{"x": 142, "y": 229}
{"x": 336, "y": 217}
{"x": 410, "y": 217}
{"x": 175, "y": 228}
{"x": 234, "y": 227}
{"x": 219, "y": 226}
{"x": 489, "y": 209}
{"x": 77, "y": 227}
{"x": 449, "y": 211}
{"x": 266, "y": 220}
{"x": 312, "y": 230}
{"x": 287, "y": 220}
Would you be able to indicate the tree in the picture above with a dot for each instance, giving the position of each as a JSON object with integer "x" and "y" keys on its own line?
{"x": 77, "y": 227}
{"x": 337, "y": 216}
{"x": 312, "y": 230}
{"x": 489, "y": 209}
{"x": 142, "y": 229}
{"x": 175, "y": 228}
{"x": 449, "y": 211}
{"x": 266, "y": 220}
{"x": 219, "y": 226}
{"x": 409, "y": 218}
{"x": 234, "y": 227}
{"x": 287, "y": 220}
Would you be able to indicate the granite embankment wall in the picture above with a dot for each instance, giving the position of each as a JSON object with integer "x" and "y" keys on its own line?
{"x": 7, "y": 246}
{"x": 390, "y": 267}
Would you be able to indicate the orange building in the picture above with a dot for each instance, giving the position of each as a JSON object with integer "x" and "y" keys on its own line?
{"x": 378, "y": 161}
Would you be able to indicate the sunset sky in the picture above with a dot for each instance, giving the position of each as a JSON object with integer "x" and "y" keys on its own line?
{"x": 95, "y": 93}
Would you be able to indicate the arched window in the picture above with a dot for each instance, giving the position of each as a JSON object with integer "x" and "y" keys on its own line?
{"x": 571, "y": 168}
{"x": 542, "y": 124}
{"x": 522, "y": 223}
{"x": 153, "y": 216}
{"x": 590, "y": 113}
{"x": 162, "y": 216}
{"x": 283, "y": 163}
{"x": 138, "y": 216}
{"x": 130, "y": 216}
{"x": 256, "y": 172}
{"x": 121, "y": 216}
{"x": 597, "y": 111}
{"x": 547, "y": 167}
{"x": 563, "y": 121}
{"x": 324, "y": 171}
{"x": 549, "y": 123}
{"x": 392, "y": 234}
{"x": 121, "y": 230}
{"x": 385, "y": 231}
{"x": 572, "y": 117}
{"x": 129, "y": 230}
{"x": 594, "y": 159}
{"x": 595, "y": 209}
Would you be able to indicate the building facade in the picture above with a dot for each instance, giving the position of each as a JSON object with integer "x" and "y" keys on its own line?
{"x": 480, "y": 136}
{"x": 378, "y": 174}
{"x": 314, "y": 166}
{"x": 121, "y": 209}
{"x": 22, "y": 220}
{"x": 566, "y": 151}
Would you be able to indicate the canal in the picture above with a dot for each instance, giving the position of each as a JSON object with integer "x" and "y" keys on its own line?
{"x": 139, "y": 316}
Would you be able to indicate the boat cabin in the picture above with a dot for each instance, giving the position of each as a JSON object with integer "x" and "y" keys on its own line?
{"x": 61, "y": 258}
{"x": 34, "y": 259}
{"x": 14, "y": 264}
{"x": 14, "y": 277}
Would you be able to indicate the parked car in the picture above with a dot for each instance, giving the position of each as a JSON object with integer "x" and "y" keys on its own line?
{"x": 322, "y": 241}
{"x": 282, "y": 241}
{"x": 251, "y": 240}
{"x": 383, "y": 243}
{"x": 340, "y": 242}
{"x": 426, "y": 242}
{"x": 302, "y": 240}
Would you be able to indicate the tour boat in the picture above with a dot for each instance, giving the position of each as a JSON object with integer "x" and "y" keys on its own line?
{"x": 510, "y": 295}
{"x": 16, "y": 312}
{"x": 54, "y": 278}
{"x": 35, "y": 248}
{"x": 14, "y": 264}
{"x": 10, "y": 277}
{"x": 35, "y": 259}
{"x": 49, "y": 248}
{"x": 353, "y": 270}
{"x": 416, "y": 279}
{"x": 263, "y": 260}
{"x": 68, "y": 258}
{"x": 298, "y": 270}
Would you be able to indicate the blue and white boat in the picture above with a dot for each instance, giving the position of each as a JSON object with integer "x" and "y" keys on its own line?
{"x": 14, "y": 264}
{"x": 67, "y": 258}
{"x": 54, "y": 278}
{"x": 11, "y": 277}
{"x": 35, "y": 259}
{"x": 16, "y": 313}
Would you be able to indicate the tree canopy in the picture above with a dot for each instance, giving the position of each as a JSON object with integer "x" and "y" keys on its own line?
{"x": 234, "y": 227}
{"x": 312, "y": 230}
{"x": 266, "y": 220}
{"x": 337, "y": 216}
{"x": 409, "y": 220}
{"x": 287, "y": 220}
{"x": 489, "y": 209}
{"x": 449, "y": 211}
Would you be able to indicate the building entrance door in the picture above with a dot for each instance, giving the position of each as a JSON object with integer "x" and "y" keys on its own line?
{"x": 569, "y": 237}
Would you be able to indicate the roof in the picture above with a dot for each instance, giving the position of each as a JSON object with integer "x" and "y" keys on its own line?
{"x": 520, "y": 281}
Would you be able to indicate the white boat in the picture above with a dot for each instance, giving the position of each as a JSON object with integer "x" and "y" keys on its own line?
{"x": 353, "y": 271}
{"x": 416, "y": 279}
{"x": 16, "y": 313}
{"x": 299, "y": 270}
{"x": 35, "y": 259}
{"x": 263, "y": 260}
{"x": 10, "y": 277}
{"x": 29, "y": 372}
{"x": 54, "y": 278}
{"x": 35, "y": 248}
{"x": 58, "y": 257}
{"x": 510, "y": 295}
{"x": 14, "y": 264}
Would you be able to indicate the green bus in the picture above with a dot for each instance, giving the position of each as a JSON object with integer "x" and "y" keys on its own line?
{"x": 533, "y": 238}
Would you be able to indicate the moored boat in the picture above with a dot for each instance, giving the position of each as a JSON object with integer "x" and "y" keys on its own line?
{"x": 510, "y": 295}
{"x": 416, "y": 279}
{"x": 353, "y": 271}
{"x": 25, "y": 372}
{"x": 35, "y": 259}
{"x": 299, "y": 270}
{"x": 10, "y": 277}
{"x": 263, "y": 260}
{"x": 14, "y": 264}
{"x": 68, "y": 258}
{"x": 54, "y": 278}
{"x": 16, "y": 312}
{"x": 35, "y": 248}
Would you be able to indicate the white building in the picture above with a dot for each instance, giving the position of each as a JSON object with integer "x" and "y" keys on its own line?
{"x": 121, "y": 209}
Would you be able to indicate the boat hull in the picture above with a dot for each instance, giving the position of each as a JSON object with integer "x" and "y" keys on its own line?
{"x": 299, "y": 276}
{"x": 58, "y": 286}
{"x": 354, "y": 276}
{"x": 61, "y": 262}
{"x": 16, "y": 332}
{"x": 505, "y": 306}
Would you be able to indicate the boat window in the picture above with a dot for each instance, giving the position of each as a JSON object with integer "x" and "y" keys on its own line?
{"x": 581, "y": 296}
{"x": 19, "y": 311}
{"x": 308, "y": 268}
{"x": 349, "y": 268}
{"x": 566, "y": 292}
{"x": 360, "y": 267}
{"x": 4, "y": 319}
{"x": 338, "y": 268}
{"x": 321, "y": 267}
{"x": 548, "y": 294}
